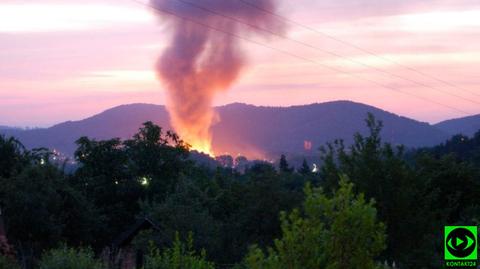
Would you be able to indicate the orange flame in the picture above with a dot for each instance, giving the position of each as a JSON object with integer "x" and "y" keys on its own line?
{"x": 194, "y": 130}
{"x": 197, "y": 139}
{"x": 203, "y": 147}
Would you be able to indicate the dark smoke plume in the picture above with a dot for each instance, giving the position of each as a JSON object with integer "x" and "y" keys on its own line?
{"x": 200, "y": 61}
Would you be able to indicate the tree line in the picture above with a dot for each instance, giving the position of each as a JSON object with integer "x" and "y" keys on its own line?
{"x": 371, "y": 205}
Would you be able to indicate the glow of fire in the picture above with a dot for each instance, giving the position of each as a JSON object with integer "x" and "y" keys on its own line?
{"x": 193, "y": 126}
{"x": 195, "y": 133}
{"x": 202, "y": 145}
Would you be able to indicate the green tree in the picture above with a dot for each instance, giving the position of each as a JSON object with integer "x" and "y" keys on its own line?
{"x": 265, "y": 196}
{"x": 104, "y": 178}
{"x": 226, "y": 211}
{"x": 187, "y": 210}
{"x": 417, "y": 192}
{"x": 41, "y": 209}
{"x": 380, "y": 171}
{"x": 117, "y": 174}
{"x": 157, "y": 158}
{"x": 338, "y": 232}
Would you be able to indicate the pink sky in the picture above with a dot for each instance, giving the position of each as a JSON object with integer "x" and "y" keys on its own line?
{"x": 67, "y": 60}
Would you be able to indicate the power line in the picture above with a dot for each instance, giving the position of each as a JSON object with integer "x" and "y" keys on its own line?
{"x": 349, "y": 44}
{"x": 172, "y": 13}
{"x": 326, "y": 51}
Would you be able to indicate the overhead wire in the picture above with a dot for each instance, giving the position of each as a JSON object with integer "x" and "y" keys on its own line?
{"x": 239, "y": 37}
{"x": 305, "y": 44}
{"x": 349, "y": 44}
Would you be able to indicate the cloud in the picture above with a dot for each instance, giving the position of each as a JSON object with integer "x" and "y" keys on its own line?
{"x": 334, "y": 10}
{"x": 48, "y": 17}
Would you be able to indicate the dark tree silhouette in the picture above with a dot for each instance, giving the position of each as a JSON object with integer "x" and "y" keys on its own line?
{"x": 284, "y": 166}
{"x": 305, "y": 168}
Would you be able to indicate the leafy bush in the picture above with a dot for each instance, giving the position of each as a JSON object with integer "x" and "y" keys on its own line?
{"x": 69, "y": 258}
{"x": 179, "y": 256}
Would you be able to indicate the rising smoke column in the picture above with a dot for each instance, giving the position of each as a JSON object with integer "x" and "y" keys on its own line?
{"x": 200, "y": 62}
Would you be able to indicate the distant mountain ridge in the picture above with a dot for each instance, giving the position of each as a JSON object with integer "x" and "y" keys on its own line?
{"x": 247, "y": 129}
{"x": 121, "y": 121}
{"x": 467, "y": 126}
{"x": 285, "y": 129}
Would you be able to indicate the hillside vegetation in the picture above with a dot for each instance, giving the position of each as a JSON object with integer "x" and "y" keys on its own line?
{"x": 371, "y": 205}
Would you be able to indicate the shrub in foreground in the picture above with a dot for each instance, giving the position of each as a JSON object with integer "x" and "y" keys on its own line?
{"x": 69, "y": 258}
{"x": 179, "y": 256}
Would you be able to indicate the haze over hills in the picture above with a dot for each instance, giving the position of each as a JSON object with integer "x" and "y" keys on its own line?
{"x": 250, "y": 130}
{"x": 2, "y": 127}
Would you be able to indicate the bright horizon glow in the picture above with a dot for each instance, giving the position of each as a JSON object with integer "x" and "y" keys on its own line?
{"x": 64, "y": 17}
{"x": 66, "y": 60}
{"x": 440, "y": 21}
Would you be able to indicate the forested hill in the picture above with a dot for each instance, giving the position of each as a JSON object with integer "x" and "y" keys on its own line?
{"x": 284, "y": 129}
{"x": 270, "y": 130}
{"x": 462, "y": 147}
{"x": 467, "y": 126}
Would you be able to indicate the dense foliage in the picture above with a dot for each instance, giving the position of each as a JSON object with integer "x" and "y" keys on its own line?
{"x": 258, "y": 217}
{"x": 416, "y": 195}
{"x": 338, "y": 232}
